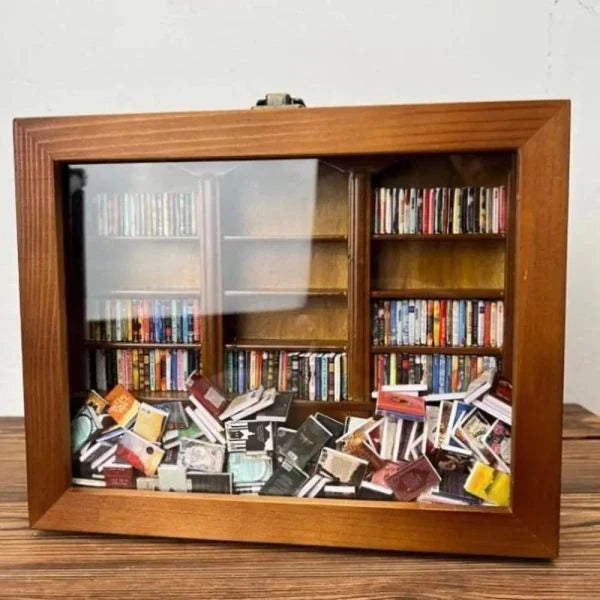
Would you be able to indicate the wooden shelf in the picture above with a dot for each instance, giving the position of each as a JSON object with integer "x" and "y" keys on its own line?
{"x": 147, "y": 293}
{"x": 143, "y": 345}
{"x": 460, "y": 350}
{"x": 145, "y": 238}
{"x": 287, "y": 238}
{"x": 290, "y": 292}
{"x": 437, "y": 237}
{"x": 292, "y": 345}
{"x": 441, "y": 294}
{"x": 146, "y": 395}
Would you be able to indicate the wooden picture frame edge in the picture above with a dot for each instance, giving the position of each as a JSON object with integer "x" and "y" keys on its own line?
{"x": 537, "y": 130}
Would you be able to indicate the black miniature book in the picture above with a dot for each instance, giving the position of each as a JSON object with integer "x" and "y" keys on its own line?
{"x": 334, "y": 426}
{"x": 215, "y": 483}
{"x": 373, "y": 491}
{"x": 177, "y": 418}
{"x": 249, "y": 436}
{"x": 280, "y": 409}
{"x": 286, "y": 480}
{"x": 306, "y": 443}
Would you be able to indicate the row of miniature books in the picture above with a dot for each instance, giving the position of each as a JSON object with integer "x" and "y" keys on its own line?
{"x": 161, "y": 320}
{"x": 154, "y": 369}
{"x": 457, "y": 323}
{"x": 440, "y": 373}
{"x": 309, "y": 375}
{"x": 144, "y": 214}
{"x": 452, "y": 449}
{"x": 439, "y": 210}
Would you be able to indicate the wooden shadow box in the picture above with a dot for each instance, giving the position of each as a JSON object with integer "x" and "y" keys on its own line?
{"x": 270, "y": 224}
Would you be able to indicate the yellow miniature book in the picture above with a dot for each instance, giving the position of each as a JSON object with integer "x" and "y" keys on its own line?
{"x": 123, "y": 406}
{"x": 150, "y": 422}
{"x": 489, "y": 484}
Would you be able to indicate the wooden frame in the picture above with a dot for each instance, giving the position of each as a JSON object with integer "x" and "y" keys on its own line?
{"x": 538, "y": 131}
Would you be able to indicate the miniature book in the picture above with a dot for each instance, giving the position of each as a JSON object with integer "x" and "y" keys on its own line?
{"x": 141, "y": 454}
{"x": 286, "y": 480}
{"x": 249, "y": 436}
{"x": 490, "y": 485}
{"x": 207, "y": 393}
{"x": 214, "y": 483}
{"x": 400, "y": 405}
{"x": 201, "y": 456}
{"x": 306, "y": 442}
{"x": 279, "y": 411}
{"x": 150, "y": 422}
{"x": 413, "y": 479}
{"x": 123, "y": 407}
{"x": 343, "y": 467}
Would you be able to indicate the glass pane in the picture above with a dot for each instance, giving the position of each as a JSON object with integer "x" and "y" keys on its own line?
{"x": 211, "y": 326}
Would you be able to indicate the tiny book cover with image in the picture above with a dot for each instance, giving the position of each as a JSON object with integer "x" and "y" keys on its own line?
{"x": 343, "y": 467}
{"x": 212, "y": 398}
{"x": 150, "y": 422}
{"x": 286, "y": 480}
{"x": 201, "y": 456}
{"x": 490, "y": 485}
{"x": 306, "y": 443}
{"x": 123, "y": 407}
{"x": 400, "y": 405}
{"x": 279, "y": 411}
{"x": 249, "y": 436}
{"x": 140, "y": 453}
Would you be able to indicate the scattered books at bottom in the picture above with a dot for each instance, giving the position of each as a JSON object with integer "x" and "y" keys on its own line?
{"x": 453, "y": 448}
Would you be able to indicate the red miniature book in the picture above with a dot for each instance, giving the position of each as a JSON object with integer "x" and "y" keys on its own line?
{"x": 207, "y": 393}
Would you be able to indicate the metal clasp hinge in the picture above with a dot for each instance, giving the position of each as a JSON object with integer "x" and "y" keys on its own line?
{"x": 279, "y": 100}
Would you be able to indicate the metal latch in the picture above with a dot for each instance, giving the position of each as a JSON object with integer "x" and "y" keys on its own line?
{"x": 278, "y": 100}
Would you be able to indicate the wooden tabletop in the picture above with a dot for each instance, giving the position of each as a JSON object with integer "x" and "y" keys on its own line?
{"x": 37, "y": 564}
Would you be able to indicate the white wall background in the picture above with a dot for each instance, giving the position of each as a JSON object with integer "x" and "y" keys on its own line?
{"x": 89, "y": 56}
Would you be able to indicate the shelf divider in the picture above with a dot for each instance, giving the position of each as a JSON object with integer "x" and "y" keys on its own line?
{"x": 440, "y": 294}
{"x": 292, "y": 345}
{"x": 459, "y": 350}
{"x": 436, "y": 237}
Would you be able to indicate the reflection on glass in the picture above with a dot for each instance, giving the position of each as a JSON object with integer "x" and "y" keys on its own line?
{"x": 209, "y": 334}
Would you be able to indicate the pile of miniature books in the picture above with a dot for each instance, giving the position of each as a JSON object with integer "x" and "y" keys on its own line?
{"x": 452, "y": 448}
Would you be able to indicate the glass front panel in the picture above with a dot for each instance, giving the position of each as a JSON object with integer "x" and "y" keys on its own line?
{"x": 217, "y": 340}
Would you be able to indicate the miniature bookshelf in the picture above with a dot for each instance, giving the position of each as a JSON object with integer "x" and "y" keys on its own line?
{"x": 133, "y": 254}
{"x": 286, "y": 261}
{"x": 285, "y": 258}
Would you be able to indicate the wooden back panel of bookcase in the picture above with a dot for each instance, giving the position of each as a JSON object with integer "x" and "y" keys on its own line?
{"x": 535, "y": 137}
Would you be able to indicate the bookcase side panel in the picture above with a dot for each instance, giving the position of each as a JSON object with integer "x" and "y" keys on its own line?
{"x": 211, "y": 227}
{"x": 538, "y": 363}
{"x": 358, "y": 293}
{"x": 43, "y": 326}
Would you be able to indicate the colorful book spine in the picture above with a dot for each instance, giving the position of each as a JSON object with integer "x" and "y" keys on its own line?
{"x": 430, "y": 211}
{"x": 442, "y": 373}
{"x": 138, "y": 369}
{"x": 456, "y": 323}
{"x": 318, "y": 376}
{"x": 138, "y": 214}
{"x": 145, "y": 320}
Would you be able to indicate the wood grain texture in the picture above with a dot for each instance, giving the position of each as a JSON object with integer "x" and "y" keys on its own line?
{"x": 580, "y": 423}
{"x": 581, "y": 466}
{"x": 359, "y": 275}
{"x": 445, "y": 264}
{"x": 36, "y": 564}
{"x": 43, "y": 327}
{"x": 308, "y": 132}
{"x": 539, "y": 317}
{"x": 537, "y": 130}
{"x": 323, "y": 318}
